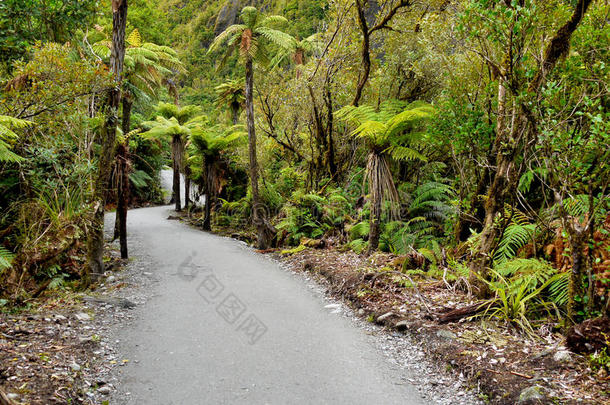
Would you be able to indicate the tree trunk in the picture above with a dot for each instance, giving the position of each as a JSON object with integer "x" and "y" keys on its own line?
{"x": 375, "y": 228}
{"x": 299, "y": 60}
{"x": 123, "y": 194}
{"x": 577, "y": 243}
{"x": 376, "y": 193}
{"x": 176, "y": 155}
{"x": 475, "y": 217}
{"x": 95, "y": 245}
{"x": 123, "y": 187}
{"x": 332, "y": 165}
{"x": 207, "y": 223}
{"x": 235, "y": 113}
{"x": 264, "y": 233}
{"x": 364, "y": 52}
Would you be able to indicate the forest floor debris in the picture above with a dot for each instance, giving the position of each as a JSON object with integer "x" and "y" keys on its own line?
{"x": 59, "y": 349}
{"x": 502, "y": 365}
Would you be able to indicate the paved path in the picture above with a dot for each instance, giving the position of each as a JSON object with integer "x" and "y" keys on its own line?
{"x": 228, "y": 326}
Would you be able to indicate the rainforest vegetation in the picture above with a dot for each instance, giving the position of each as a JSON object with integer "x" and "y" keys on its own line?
{"x": 468, "y": 138}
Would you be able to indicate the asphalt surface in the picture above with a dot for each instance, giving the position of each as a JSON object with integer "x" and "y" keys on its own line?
{"x": 226, "y": 325}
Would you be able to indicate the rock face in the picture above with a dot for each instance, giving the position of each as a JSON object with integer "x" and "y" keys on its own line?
{"x": 229, "y": 13}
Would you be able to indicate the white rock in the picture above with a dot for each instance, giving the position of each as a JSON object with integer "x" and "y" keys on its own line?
{"x": 384, "y": 316}
{"x": 81, "y": 316}
{"x": 562, "y": 356}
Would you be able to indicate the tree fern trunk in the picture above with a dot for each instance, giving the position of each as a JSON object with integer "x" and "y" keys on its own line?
{"x": 258, "y": 211}
{"x": 187, "y": 186}
{"x": 235, "y": 113}
{"x": 376, "y": 193}
{"x": 123, "y": 195}
{"x": 176, "y": 152}
{"x": 207, "y": 223}
{"x": 123, "y": 189}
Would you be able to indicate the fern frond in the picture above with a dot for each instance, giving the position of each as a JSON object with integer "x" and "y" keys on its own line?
{"x": 515, "y": 237}
{"x": 273, "y": 20}
{"x": 405, "y": 153}
{"x": 232, "y": 32}
{"x": 6, "y": 258}
{"x": 276, "y": 37}
{"x": 360, "y": 230}
{"x": 134, "y": 39}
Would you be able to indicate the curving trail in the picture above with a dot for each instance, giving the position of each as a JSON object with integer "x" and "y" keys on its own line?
{"x": 228, "y": 326}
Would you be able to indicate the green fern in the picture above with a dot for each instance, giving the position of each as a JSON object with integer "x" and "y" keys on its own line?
{"x": 8, "y": 137}
{"x": 358, "y": 245}
{"x": 558, "y": 288}
{"x": 360, "y": 230}
{"x": 529, "y": 272}
{"x": 6, "y": 259}
{"x": 515, "y": 237}
{"x": 140, "y": 179}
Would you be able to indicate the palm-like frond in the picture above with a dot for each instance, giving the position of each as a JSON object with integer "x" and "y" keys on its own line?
{"x": 165, "y": 128}
{"x": 8, "y": 137}
{"x": 405, "y": 153}
{"x": 228, "y": 35}
{"x": 229, "y": 92}
{"x": 250, "y": 16}
{"x": 134, "y": 39}
{"x": 182, "y": 114}
{"x": 251, "y": 37}
{"x": 387, "y": 125}
{"x": 276, "y": 37}
{"x": 372, "y": 130}
{"x": 270, "y": 20}
{"x": 146, "y": 65}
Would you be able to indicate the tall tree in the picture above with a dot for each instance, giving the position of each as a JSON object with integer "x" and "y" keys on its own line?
{"x": 175, "y": 124}
{"x": 209, "y": 147}
{"x": 108, "y": 136}
{"x": 252, "y": 39}
{"x": 147, "y": 68}
{"x": 516, "y": 126}
{"x": 389, "y": 132}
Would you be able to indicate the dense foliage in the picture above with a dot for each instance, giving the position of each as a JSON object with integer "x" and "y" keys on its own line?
{"x": 472, "y": 135}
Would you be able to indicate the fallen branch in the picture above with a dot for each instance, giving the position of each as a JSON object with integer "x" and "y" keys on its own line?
{"x": 521, "y": 375}
{"x": 470, "y": 310}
